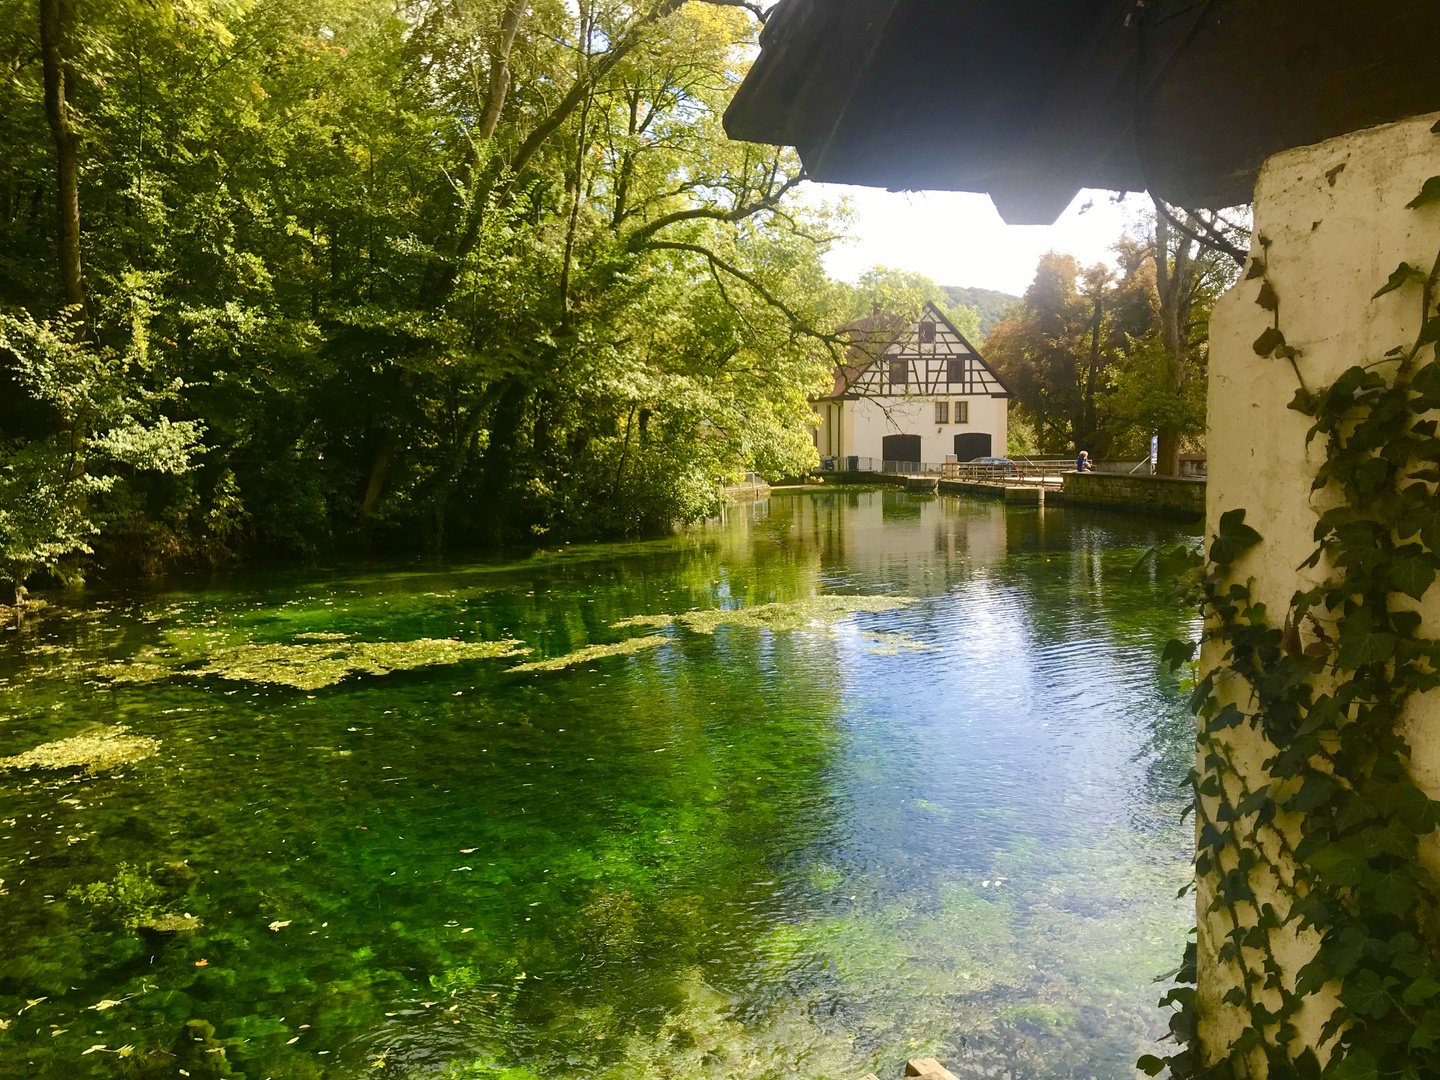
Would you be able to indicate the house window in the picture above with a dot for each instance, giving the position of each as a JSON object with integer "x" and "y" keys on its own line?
{"x": 927, "y": 331}
{"x": 942, "y": 412}
{"x": 899, "y": 372}
{"x": 962, "y": 412}
{"x": 956, "y": 369}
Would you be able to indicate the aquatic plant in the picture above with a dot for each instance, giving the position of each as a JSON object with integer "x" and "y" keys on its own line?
{"x": 108, "y": 748}
{"x": 592, "y": 652}
{"x": 313, "y": 666}
{"x": 892, "y": 644}
{"x": 785, "y": 615}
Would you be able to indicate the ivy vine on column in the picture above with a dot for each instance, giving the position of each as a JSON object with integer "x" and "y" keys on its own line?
{"x": 1327, "y": 842}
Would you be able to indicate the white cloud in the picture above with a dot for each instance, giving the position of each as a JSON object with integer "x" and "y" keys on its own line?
{"x": 957, "y": 238}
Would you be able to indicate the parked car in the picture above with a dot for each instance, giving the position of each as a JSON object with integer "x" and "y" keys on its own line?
{"x": 998, "y": 464}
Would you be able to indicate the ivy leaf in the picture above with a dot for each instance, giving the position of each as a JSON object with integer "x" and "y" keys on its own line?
{"x": 1421, "y": 990}
{"x": 1357, "y": 1064}
{"x": 1401, "y": 275}
{"x": 1150, "y": 1065}
{"x": 1257, "y": 269}
{"x": 1410, "y": 575}
{"x": 1178, "y": 652}
{"x": 1268, "y": 299}
{"x": 1429, "y": 193}
{"x": 1427, "y": 1032}
{"x": 1366, "y": 993}
{"x": 1270, "y": 340}
{"x": 1233, "y": 538}
{"x": 1394, "y": 893}
{"x": 1228, "y": 717}
{"x": 1361, "y": 643}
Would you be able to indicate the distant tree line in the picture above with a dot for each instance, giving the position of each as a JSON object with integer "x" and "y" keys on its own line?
{"x": 1102, "y": 358}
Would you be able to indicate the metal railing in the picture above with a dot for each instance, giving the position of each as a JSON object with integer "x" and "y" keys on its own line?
{"x": 1018, "y": 471}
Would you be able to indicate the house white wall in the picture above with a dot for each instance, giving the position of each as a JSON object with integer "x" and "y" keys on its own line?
{"x": 859, "y": 426}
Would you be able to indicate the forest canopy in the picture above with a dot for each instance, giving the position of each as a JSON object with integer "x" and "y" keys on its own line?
{"x": 351, "y": 271}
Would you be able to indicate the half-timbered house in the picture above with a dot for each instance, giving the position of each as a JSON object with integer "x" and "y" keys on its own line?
{"x": 911, "y": 392}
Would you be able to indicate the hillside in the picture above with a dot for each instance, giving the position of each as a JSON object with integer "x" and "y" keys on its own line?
{"x": 990, "y": 303}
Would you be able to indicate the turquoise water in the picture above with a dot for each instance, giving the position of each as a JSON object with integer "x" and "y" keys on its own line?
{"x": 813, "y": 847}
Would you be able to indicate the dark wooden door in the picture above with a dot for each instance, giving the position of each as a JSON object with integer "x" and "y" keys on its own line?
{"x": 900, "y": 447}
{"x": 972, "y": 444}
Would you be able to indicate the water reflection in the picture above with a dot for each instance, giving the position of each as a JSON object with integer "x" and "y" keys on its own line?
{"x": 948, "y": 827}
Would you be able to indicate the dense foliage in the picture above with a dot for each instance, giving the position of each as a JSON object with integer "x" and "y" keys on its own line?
{"x": 1101, "y": 358}
{"x": 442, "y": 271}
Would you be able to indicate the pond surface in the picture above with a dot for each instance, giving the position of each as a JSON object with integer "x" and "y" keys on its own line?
{"x": 806, "y": 840}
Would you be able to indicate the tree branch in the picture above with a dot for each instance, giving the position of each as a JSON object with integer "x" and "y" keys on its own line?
{"x": 641, "y": 235}
{"x": 797, "y": 324}
{"x": 1215, "y": 240}
{"x": 755, "y": 9}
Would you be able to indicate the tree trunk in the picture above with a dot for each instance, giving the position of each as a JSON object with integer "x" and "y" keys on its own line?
{"x": 57, "y": 35}
{"x": 1173, "y": 282}
{"x": 1167, "y": 453}
{"x": 379, "y": 470}
{"x": 499, "y": 87}
{"x": 498, "y": 470}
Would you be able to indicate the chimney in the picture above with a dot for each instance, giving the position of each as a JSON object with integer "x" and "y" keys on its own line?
{"x": 875, "y": 309}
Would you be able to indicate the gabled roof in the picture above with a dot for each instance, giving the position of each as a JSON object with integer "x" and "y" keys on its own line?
{"x": 883, "y": 336}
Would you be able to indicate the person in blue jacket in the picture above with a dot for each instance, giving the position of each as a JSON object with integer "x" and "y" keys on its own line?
{"x": 1082, "y": 463}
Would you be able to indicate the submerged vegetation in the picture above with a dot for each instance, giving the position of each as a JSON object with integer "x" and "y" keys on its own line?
{"x": 107, "y": 748}
{"x": 759, "y": 847}
{"x": 311, "y": 666}
{"x": 592, "y": 652}
{"x": 788, "y": 615}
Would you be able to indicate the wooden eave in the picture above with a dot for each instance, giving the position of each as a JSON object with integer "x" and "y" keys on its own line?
{"x": 1031, "y": 100}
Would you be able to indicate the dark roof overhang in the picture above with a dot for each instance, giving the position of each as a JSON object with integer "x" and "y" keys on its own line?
{"x": 1031, "y": 100}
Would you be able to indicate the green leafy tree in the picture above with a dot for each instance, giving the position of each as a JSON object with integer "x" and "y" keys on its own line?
{"x": 433, "y": 275}
{"x": 96, "y": 425}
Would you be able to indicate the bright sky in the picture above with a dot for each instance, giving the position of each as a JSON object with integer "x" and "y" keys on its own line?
{"x": 957, "y": 238}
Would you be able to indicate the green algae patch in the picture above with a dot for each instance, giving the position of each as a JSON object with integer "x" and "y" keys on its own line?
{"x": 140, "y": 668}
{"x": 311, "y": 666}
{"x": 882, "y": 644}
{"x": 799, "y": 614}
{"x": 170, "y": 923}
{"x": 107, "y": 749}
{"x": 592, "y": 652}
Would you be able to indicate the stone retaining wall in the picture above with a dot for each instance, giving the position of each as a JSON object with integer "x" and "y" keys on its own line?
{"x": 979, "y": 489}
{"x": 1172, "y": 495}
